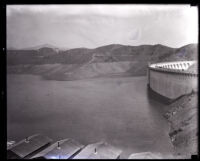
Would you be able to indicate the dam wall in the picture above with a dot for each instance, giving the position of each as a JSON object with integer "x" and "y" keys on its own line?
{"x": 172, "y": 79}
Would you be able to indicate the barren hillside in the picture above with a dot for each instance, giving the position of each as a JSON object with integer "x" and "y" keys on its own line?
{"x": 107, "y": 60}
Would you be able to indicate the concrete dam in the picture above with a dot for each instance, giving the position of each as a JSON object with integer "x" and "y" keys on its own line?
{"x": 173, "y": 79}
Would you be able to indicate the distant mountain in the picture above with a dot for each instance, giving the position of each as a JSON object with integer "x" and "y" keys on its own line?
{"x": 78, "y": 63}
{"x": 56, "y": 48}
{"x": 187, "y": 52}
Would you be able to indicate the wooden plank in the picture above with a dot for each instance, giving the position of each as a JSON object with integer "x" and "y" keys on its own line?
{"x": 48, "y": 149}
{"x": 100, "y": 150}
{"x": 145, "y": 155}
{"x": 30, "y": 145}
{"x": 63, "y": 149}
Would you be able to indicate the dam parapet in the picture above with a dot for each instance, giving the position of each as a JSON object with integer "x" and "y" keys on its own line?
{"x": 173, "y": 79}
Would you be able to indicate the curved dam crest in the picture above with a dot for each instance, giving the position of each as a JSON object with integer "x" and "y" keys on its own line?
{"x": 172, "y": 79}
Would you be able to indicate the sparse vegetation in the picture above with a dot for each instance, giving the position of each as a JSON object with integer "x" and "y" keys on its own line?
{"x": 182, "y": 116}
{"x": 83, "y": 63}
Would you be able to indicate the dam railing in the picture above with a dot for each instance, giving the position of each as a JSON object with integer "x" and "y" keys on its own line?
{"x": 173, "y": 79}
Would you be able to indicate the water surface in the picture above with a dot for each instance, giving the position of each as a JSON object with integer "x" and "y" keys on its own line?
{"x": 116, "y": 110}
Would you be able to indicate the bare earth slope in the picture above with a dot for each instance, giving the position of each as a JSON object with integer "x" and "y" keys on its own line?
{"x": 183, "y": 118}
{"x": 82, "y": 63}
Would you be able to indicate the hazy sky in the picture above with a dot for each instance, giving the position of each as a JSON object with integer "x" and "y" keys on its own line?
{"x": 92, "y": 26}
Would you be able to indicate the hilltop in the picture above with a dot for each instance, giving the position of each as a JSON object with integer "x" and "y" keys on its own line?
{"x": 109, "y": 60}
{"x": 37, "y": 47}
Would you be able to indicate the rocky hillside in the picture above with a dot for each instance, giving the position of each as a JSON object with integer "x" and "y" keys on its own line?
{"x": 193, "y": 68}
{"x": 183, "y": 118}
{"x": 107, "y": 60}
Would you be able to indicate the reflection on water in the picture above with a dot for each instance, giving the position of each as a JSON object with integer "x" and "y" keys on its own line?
{"x": 116, "y": 110}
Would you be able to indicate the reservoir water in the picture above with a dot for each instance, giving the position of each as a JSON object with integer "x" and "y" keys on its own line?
{"x": 116, "y": 110}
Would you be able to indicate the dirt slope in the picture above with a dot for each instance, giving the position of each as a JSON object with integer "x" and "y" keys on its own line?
{"x": 87, "y": 63}
{"x": 183, "y": 119}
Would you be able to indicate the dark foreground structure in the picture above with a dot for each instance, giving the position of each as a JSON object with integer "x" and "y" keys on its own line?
{"x": 40, "y": 147}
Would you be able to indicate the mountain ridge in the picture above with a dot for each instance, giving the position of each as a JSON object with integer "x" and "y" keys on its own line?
{"x": 37, "y": 47}
{"x": 81, "y": 63}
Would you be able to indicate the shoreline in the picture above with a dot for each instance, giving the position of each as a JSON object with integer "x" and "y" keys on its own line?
{"x": 182, "y": 119}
